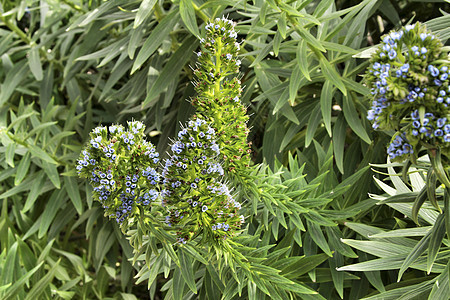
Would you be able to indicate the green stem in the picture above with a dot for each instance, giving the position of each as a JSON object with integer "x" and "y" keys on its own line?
{"x": 447, "y": 210}
{"x": 200, "y": 13}
{"x": 218, "y": 65}
{"x": 13, "y": 27}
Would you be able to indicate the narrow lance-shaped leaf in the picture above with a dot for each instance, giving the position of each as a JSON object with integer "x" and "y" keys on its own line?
{"x": 159, "y": 33}
{"x": 437, "y": 235}
{"x": 187, "y": 13}
{"x": 143, "y": 12}
{"x": 35, "y": 63}
{"x": 420, "y": 248}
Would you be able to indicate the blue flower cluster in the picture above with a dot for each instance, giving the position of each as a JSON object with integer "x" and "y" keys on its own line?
{"x": 408, "y": 74}
{"x": 399, "y": 147}
{"x": 194, "y": 194}
{"x": 121, "y": 168}
{"x": 430, "y": 126}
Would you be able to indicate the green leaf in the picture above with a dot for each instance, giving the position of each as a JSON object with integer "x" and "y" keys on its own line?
{"x": 437, "y": 235}
{"x": 9, "y": 264}
{"x": 25, "y": 185}
{"x": 418, "y": 202}
{"x": 35, "y": 191}
{"x": 178, "y": 284}
{"x": 74, "y": 193}
{"x": 302, "y": 58}
{"x": 293, "y": 267}
{"x": 262, "y": 54}
{"x": 407, "y": 232}
{"x": 414, "y": 254}
{"x": 338, "y": 277}
{"x": 126, "y": 296}
{"x": 52, "y": 207}
{"x": 380, "y": 249}
{"x": 294, "y": 82}
{"x": 317, "y": 235}
{"x": 441, "y": 287}
{"x": 52, "y": 173}
{"x": 27, "y": 256}
{"x": 39, "y": 153}
{"x": 39, "y": 287}
{"x": 386, "y": 263}
{"x": 35, "y": 63}
{"x": 281, "y": 25}
{"x": 13, "y": 78}
{"x": 187, "y": 13}
{"x": 186, "y": 268}
{"x": 143, "y": 12}
{"x": 309, "y": 38}
{"x": 339, "y": 137}
{"x": 313, "y": 122}
{"x": 326, "y": 102}
{"x": 12, "y": 291}
{"x": 334, "y": 239}
{"x": 352, "y": 117}
{"x": 330, "y": 74}
{"x": 276, "y": 43}
{"x": 172, "y": 68}
{"x": 431, "y": 191}
{"x": 156, "y": 38}
{"x": 9, "y": 154}
{"x": 16, "y": 122}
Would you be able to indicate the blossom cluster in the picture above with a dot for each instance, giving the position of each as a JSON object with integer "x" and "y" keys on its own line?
{"x": 198, "y": 200}
{"x": 219, "y": 92}
{"x": 193, "y": 184}
{"x": 409, "y": 81}
{"x": 121, "y": 166}
{"x": 399, "y": 147}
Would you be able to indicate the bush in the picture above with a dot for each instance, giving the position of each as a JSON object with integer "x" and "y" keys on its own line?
{"x": 69, "y": 66}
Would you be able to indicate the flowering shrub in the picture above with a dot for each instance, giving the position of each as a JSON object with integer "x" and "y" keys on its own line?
{"x": 409, "y": 81}
{"x": 122, "y": 169}
{"x": 195, "y": 192}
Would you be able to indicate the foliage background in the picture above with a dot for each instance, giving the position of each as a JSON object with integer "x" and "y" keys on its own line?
{"x": 67, "y": 66}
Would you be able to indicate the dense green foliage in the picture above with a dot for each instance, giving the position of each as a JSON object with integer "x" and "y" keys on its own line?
{"x": 311, "y": 230}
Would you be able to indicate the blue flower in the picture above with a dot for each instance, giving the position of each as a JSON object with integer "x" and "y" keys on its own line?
{"x": 423, "y": 130}
{"x": 438, "y": 132}
{"x": 405, "y": 68}
{"x": 409, "y": 27}
{"x": 433, "y": 70}
{"x": 392, "y": 54}
{"x": 441, "y": 122}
